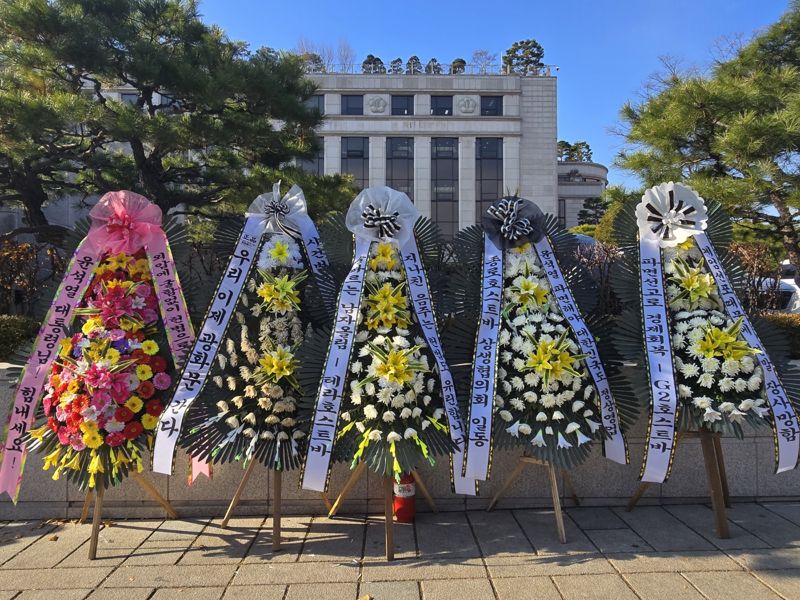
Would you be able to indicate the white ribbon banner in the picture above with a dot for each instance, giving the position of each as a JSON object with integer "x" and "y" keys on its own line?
{"x": 484, "y": 370}
{"x": 332, "y": 385}
{"x": 614, "y": 445}
{"x": 197, "y": 367}
{"x": 420, "y": 295}
{"x": 785, "y": 420}
{"x": 658, "y": 347}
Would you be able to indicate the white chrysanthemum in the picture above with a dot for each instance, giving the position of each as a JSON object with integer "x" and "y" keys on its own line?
{"x": 725, "y": 384}
{"x": 711, "y": 415}
{"x": 524, "y": 429}
{"x": 505, "y": 415}
{"x": 684, "y": 391}
{"x": 345, "y": 416}
{"x": 232, "y": 422}
{"x": 393, "y": 436}
{"x": 690, "y": 370}
{"x": 517, "y": 404}
{"x": 416, "y": 412}
{"x": 375, "y": 435}
{"x": 571, "y": 427}
{"x": 222, "y": 406}
{"x": 740, "y": 385}
{"x": 388, "y": 416}
{"x": 710, "y": 365}
{"x": 726, "y": 407}
{"x": 706, "y": 380}
{"x": 370, "y": 412}
{"x": 748, "y": 364}
{"x": 438, "y": 413}
{"x": 731, "y": 367}
{"x": 356, "y": 367}
{"x": 548, "y": 400}
{"x": 754, "y": 383}
{"x": 702, "y": 402}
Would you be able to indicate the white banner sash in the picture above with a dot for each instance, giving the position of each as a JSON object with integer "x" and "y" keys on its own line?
{"x": 785, "y": 425}
{"x": 614, "y": 446}
{"x": 334, "y": 377}
{"x": 658, "y": 347}
{"x": 484, "y": 370}
{"x": 420, "y": 296}
{"x": 198, "y": 364}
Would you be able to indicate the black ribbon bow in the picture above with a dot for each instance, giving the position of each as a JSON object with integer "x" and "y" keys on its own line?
{"x": 514, "y": 220}
{"x": 387, "y": 225}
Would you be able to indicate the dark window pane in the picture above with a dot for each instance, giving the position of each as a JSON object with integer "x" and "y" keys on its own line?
{"x": 402, "y": 105}
{"x": 316, "y": 164}
{"x": 400, "y": 164}
{"x": 488, "y": 173}
{"x": 491, "y": 106}
{"x": 129, "y": 97}
{"x": 355, "y": 159}
{"x": 444, "y": 185}
{"x": 562, "y": 212}
{"x": 352, "y": 104}
{"x": 316, "y": 102}
{"x": 442, "y": 105}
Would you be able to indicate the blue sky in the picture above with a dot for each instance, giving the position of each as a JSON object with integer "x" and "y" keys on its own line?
{"x": 606, "y": 49}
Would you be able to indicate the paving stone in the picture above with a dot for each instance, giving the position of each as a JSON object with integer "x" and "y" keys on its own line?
{"x": 551, "y": 564}
{"x": 113, "y": 594}
{"x": 724, "y": 586}
{"x": 767, "y": 559}
{"x": 78, "y": 578}
{"x": 661, "y": 530}
{"x": 171, "y": 576}
{"x": 329, "y": 591}
{"x": 106, "y": 557}
{"x": 786, "y": 583}
{"x": 595, "y": 517}
{"x": 8, "y": 594}
{"x": 499, "y": 536}
{"x": 218, "y": 545}
{"x": 663, "y": 586}
{"x": 788, "y": 510}
{"x": 666, "y": 562}
{"x": 391, "y": 590}
{"x": 334, "y": 540}
{"x": 293, "y": 533}
{"x": 52, "y": 548}
{"x": 701, "y": 518}
{"x": 405, "y": 545}
{"x": 179, "y": 529}
{"x": 203, "y": 593}
{"x": 617, "y": 540}
{"x": 328, "y": 572}
{"x": 419, "y": 570}
{"x": 540, "y": 528}
{"x": 157, "y": 553}
{"x": 765, "y": 524}
{"x": 50, "y": 594}
{"x": 254, "y": 592}
{"x": 526, "y": 588}
{"x": 126, "y": 534}
{"x": 16, "y": 537}
{"x": 594, "y": 587}
{"x": 445, "y": 535}
{"x": 457, "y": 588}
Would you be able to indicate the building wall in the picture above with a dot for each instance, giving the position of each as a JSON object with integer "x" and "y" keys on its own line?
{"x": 578, "y": 181}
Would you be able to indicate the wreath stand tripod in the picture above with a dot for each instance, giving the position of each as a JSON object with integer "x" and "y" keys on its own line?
{"x": 523, "y": 462}
{"x": 388, "y": 506}
{"x": 715, "y": 472}
{"x": 97, "y": 516}
{"x": 277, "y": 484}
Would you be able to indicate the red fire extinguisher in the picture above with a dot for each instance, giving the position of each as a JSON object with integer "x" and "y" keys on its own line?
{"x": 404, "y": 493}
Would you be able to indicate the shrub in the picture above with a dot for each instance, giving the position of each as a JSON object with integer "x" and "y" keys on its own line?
{"x": 15, "y": 330}
{"x": 790, "y": 324}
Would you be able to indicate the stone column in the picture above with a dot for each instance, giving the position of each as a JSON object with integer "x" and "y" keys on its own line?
{"x": 422, "y": 104}
{"x": 511, "y": 166}
{"x": 377, "y": 160}
{"x": 333, "y": 104}
{"x": 333, "y": 154}
{"x": 466, "y": 181}
{"x": 422, "y": 175}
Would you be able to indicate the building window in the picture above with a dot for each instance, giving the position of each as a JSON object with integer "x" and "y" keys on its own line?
{"x": 444, "y": 185}
{"x": 491, "y": 106}
{"x": 316, "y": 164}
{"x": 488, "y": 173}
{"x": 355, "y": 159}
{"x": 352, "y": 104}
{"x": 129, "y": 97}
{"x": 316, "y": 102}
{"x": 402, "y": 105}
{"x": 562, "y": 212}
{"x": 441, "y": 105}
{"x": 400, "y": 164}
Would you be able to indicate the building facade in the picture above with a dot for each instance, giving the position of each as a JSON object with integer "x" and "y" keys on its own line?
{"x": 453, "y": 143}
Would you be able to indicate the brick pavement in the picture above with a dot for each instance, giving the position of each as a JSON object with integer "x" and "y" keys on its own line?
{"x": 655, "y": 552}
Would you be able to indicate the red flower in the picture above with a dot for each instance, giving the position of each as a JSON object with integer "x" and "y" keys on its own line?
{"x": 154, "y": 407}
{"x": 158, "y": 364}
{"x": 123, "y": 413}
{"x": 133, "y": 430}
{"x": 146, "y": 390}
{"x": 52, "y": 424}
{"x": 140, "y": 357}
{"x": 116, "y": 438}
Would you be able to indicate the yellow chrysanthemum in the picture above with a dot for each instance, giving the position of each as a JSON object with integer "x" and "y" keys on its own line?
{"x": 144, "y": 372}
{"x": 134, "y": 404}
{"x": 112, "y": 355}
{"x": 88, "y": 426}
{"x": 149, "y": 421}
{"x": 93, "y": 439}
{"x": 73, "y": 386}
{"x": 149, "y": 347}
{"x": 385, "y": 257}
{"x": 91, "y": 324}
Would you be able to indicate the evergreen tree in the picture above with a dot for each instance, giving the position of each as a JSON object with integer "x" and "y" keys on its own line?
{"x": 414, "y": 66}
{"x": 396, "y": 66}
{"x": 524, "y": 57}
{"x": 372, "y": 65}
{"x": 458, "y": 66}
{"x": 433, "y": 67}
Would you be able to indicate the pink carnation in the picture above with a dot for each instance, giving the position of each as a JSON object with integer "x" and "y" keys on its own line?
{"x": 162, "y": 381}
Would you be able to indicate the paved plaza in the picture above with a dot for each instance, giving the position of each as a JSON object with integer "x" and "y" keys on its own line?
{"x": 655, "y": 552}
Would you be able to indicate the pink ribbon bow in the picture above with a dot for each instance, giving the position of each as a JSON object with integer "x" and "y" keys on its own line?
{"x": 124, "y": 222}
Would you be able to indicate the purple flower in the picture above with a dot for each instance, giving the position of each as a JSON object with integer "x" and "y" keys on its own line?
{"x": 162, "y": 381}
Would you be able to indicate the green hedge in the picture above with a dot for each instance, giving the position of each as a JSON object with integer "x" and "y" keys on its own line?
{"x": 14, "y": 330}
{"x": 790, "y": 323}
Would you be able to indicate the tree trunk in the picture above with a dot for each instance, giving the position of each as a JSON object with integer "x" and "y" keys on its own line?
{"x": 33, "y": 197}
{"x": 789, "y": 236}
{"x": 150, "y": 170}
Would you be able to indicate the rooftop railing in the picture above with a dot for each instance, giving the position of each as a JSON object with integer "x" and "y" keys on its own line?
{"x": 466, "y": 69}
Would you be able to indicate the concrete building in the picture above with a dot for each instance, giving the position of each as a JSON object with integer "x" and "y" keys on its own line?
{"x": 454, "y": 143}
